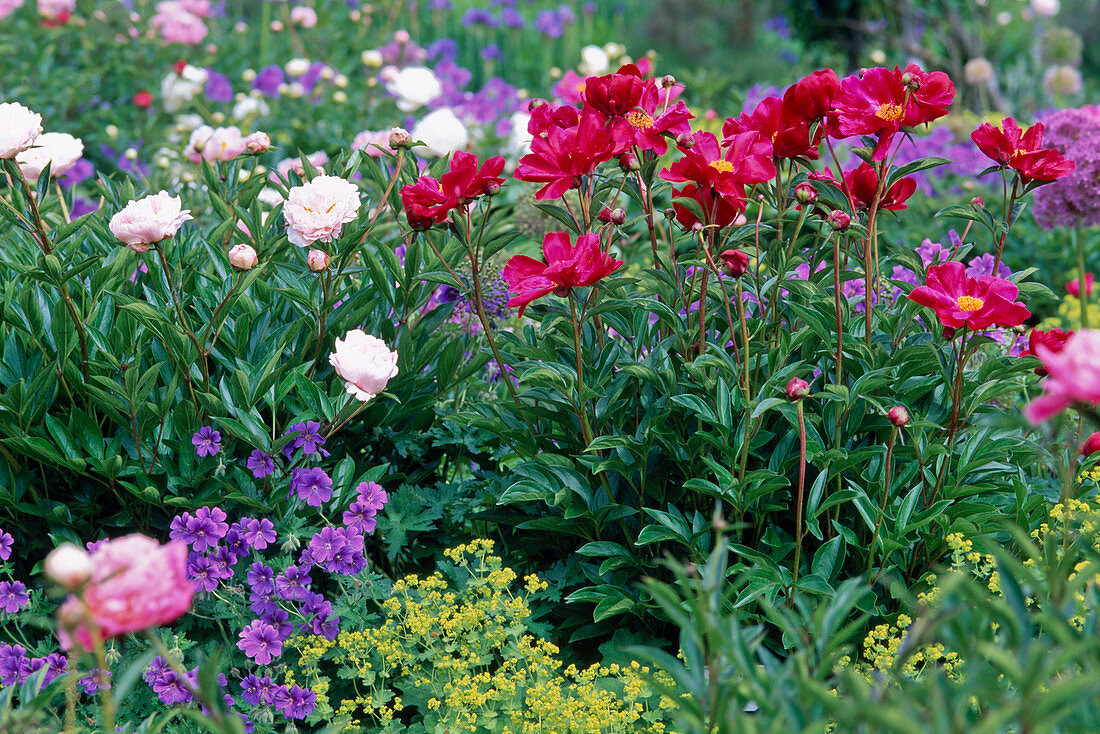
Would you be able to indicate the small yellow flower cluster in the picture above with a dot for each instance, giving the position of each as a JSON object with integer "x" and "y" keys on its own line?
{"x": 1069, "y": 314}
{"x": 456, "y": 645}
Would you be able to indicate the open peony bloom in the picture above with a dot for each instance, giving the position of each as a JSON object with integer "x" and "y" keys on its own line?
{"x": 19, "y": 127}
{"x": 365, "y": 363}
{"x": 1021, "y": 151}
{"x": 977, "y": 303}
{"x": 1073, "y": 376}
{"x": 60, "y": 150}
{"x": 567, "y": 266}
{"x": 149, "y": 220}
{"x": 1073, "y": 287}
{"x": 135, "y": 583}
{"x": 318, "y": 210}
{"x": 216, "y": 144}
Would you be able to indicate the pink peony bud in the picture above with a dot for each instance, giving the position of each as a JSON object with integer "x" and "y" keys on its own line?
{"x": 805, "y": 193}
{"x": 135, "y": 583}
{"x": 18, "y": 129}
{"x": 318, "y": 260}
{"x": 734, "y": 262}
{"x": 257, "y": 142}
{"x": 618, "y": 216}
{"x": 69, "y": 565}
{"x": 839, "y": 220}
{"x": 399, "y": 138}
{"x": 977, "y": 202}
{"x": 242, "y": 257}
{"x": 898, "y": 415}
{"x": 149, "y": 220}
{"x": 797, "y": 389}
{"x": 364, "y": 362}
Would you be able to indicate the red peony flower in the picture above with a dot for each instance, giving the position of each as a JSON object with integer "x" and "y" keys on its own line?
{"x": 143, "y": 99}
{"x": 788, "y": 130}
{"x": 614, "y": 95}
{"x": 880, "y": 102}
{"x": 1022, "y": 152}
{"x": 747, "y": 159}
{"x": 862, "y": 183}
{"x": 566, "y": 154}
{"x": 1054, "y": 340}
{"x": 812, "y": 96}
{"x": 425, "y": 203}
{"x": 567, "y": 266}
{"x": 1073, "y": 287}
{"x": 961, "y": 301}
{"x": 546, "y": 116}
{"x": 717, "y": 209}
{"x": 430, "y": 200}
{"x": 1091, "y": 445}
{"x": 629, "y": 104}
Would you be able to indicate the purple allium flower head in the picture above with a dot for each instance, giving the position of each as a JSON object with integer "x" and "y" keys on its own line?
{"x": 82, "y": 170}
{"x": 82, "y": 206}
{"x": 511, "y": 18}
{"x": 439, "y": 5}
{"x": 207, "y": 441}
{"x": 479, "y": 16}
{"x": 566, "y": 15}
{"x": 1072, "y": 200}
{"x": 218, "y": 87}
{"x": 268, "y": 80}
{"x": 260, "y": 642}
{"x": 548, "y": 23}
{"x": 311, "y": 484}
{"x": 445, "y": 49}
{"x": 589, "y": 8}
{"x": 295, "y": 702}
{"x": 6, "y": 543}
{"x": 261, "y": 464}
{"x": 13, "y": 596}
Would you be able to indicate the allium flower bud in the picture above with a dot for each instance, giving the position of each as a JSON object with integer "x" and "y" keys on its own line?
{"x": 797, "y": 389}
{"x": 805, "y": 193}
{"x": 734, "y": 262}
{"x": 242, "y": 257}
{"x": 69, "y": 565}
{"x": 399, "y": 138}
{"x": 257, "y": 142}
{"x": 318, "y": 260}
{"x": 839, "y": 220}
{"x": 898, "y": 415}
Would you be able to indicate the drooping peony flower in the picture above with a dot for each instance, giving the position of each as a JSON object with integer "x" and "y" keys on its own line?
{"x": 19, "y": 127}
{"x": 567, "y": 266}
{"x": 60, "y": 150}
{"x": 566, "y": 154}
{"x": 149, "y": 220}
{"x": 136, "y": 583}
{"x": 318, "y": 210}
{"x": 960, "y": 301}
{"x": 1073, "y": 376}
{"x": 1021, "y": 151}
{"x": 862, "y": 183}
{"x": 364, "y": 362}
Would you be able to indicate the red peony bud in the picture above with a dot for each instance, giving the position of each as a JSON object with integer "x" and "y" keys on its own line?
{"x": 898, "y": 415}
{"x": 1091, "y": 445}
{"x": 734, "y": 262}
{"x": 839, "y": 220}
{"x": 797, "y": 389}
{"x": 685, "y": 141}
{"x": 618, "y": 216}
{"x": 805, "y": 193}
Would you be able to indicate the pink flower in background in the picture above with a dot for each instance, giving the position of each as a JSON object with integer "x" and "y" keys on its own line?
{"x": 149, "y": 220}
{"x": 304, "y": 16}
{"x": 215, "y": 144}
{"x": 198, "y": 7}
{"x": 19, "y": 127}
{"x": 136, "y": 583}
{"x": 364, "y": 362}
{"x": 1073, "y": 376}
{"x": 56, "y": 10}
{"x": 284, "y": 167}
{"x": 317, "y": 211}
{"x": 177, "y": 24}
{"x": 7, "y": 7}
{"x": 60, "y": 150}
{"x": 257, "y": 142}
{"x": 373, "y": 143}
{"x": 1073, "y": 287}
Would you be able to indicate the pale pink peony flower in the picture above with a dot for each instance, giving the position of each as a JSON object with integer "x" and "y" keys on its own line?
{"x": 1073, "y": 376}
{"x": 284, "y": 167}
{"x": 136, "y": 583}
{"x": 19, "y": 127}
{"x": 149, "y": 220}
{"x": 7, "y": 7}
{"x": 317, "y": 260}
{"x": 373, "y": 143}
{"x": 257, "y": 142}
{"x": 60, "y": 150}
{"x": 242, "y": 257}
{"x": 198, "y": 7}
{"x": 55, "y": 9}
{"x": 304, "y": 16}
{"x": 69, "y": 565}
{"x": 364, "y": 362}
{"x": 215, "y": 144}
{"x": 177, "y": 24}
{"x": 318, "y": 210}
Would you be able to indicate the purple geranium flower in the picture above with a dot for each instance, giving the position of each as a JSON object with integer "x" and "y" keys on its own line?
{"x": 260, "y": 463}
{"x": 203, "y": 573}
{"x": 311, "y": 484}
{"x": 6, "y": 543}
{"x": 292, "y": 584}
{"x": 207, "y": 441}
{"x": 257, "y": 533}
{"x": 13, "y": 596}
{"x": 95, "y": 681}
{"x": 295, "y": 702}
{"x": 260, "y": 642}
{"x": 14, "y": 664}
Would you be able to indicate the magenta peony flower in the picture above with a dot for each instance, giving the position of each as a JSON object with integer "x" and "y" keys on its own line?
{"x": 318, "y": 210}
{"x": 364, "y": 362}
{"x": 136, "y": 583}
{"x": 19, "y": 127}
{"x": 1073, "y": 376}
{"x": 60, "y": 150}
{"x": 56, "y": 9}
{"x": 149, "y": 220}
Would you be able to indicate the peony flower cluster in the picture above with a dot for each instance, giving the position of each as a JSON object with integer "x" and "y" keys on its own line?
{"x": 318, "y": 210}
{"x": 414, "y": 87}
{"x": 149, "y": 220}
{"x": 60, "y": 151}
{"x": 364, "y": 362}
{"x": 19, "y": 128}
{"x": 135, "y": 583}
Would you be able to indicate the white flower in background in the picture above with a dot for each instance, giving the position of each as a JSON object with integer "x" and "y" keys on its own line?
{"x": 594, "y": 61}
{"x": 414, "y": 86}
{"x": 297, "y": 67}
{"x": 372, "y": 58}
{"x": 978, "y": 72}
{"x": 249, "y": 106}
{"x": 519, "y": 140}
{"x": 1046, "y": 8}
{"x": 1059, "y": 81}
{"x": 178, "y": 89}
{"x": 60, "y": 150}
{"x": 269, "y": 196}
{"x": 441, "y": 132}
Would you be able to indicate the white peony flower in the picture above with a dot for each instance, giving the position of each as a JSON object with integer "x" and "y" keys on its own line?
{"x": 414, "y": 86}
{"x": 442, "y": 132}
{"x": 60, "y": 150}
